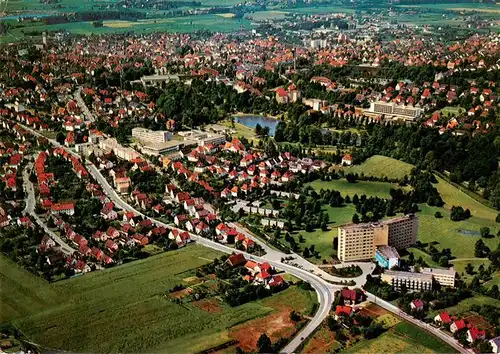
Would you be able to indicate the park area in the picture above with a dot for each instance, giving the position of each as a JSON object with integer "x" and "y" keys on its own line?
{"x": 382, "y": 166}
{"x": 129, "y": 308}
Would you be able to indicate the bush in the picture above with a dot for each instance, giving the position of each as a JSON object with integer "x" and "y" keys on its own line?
{"x": 438, "y": 215}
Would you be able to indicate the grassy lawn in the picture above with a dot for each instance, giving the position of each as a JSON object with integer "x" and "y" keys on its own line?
{"x": 380, "y": 189}
{"x": 241, "y": 130}
{"x": 460, "y": 264}
{"x": 464, "y": 305}
{"x": 323, "y": 240}
{"x": 453, "y": 196}
{"x": 450, "y": 234}
{"x": 22, "y": 293}
{"x": 382, "y": 166}
{"x": 125, "y": 308}
{"x": 402, "y": 338}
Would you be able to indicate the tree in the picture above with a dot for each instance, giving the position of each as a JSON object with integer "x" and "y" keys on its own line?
{"x": 264, "y": 344}
{"x": 485, "y": 232}
{"x": 498, "y": 218}
{"x": 305, "y": 253}
{"x": 469, "y": 269}
{"x": 355, "y": 218}
{"x": 258, "y": 129}
{"x": 438, "y": 215}
{"x": 294, "y": 316}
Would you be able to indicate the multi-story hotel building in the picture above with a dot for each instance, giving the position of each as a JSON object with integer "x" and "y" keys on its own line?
{"x": 358, "y": 241}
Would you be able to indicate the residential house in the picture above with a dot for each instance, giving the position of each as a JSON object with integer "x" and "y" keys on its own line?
{"x": 457, "y": 326}
{"x": 442, "y": 318}
{"x": 417, "y": 305}
{"x": 473, "y": 334}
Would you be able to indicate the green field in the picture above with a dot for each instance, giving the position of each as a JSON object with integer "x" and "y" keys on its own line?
{"x": 375, "y": 189}
{"x": 22, "y": 293}
{"x": 460, "y": 264}
{"x": 450, "y": 234}
{"x": 241, "y": 130}
{"x": 125, "y": 308}
{"x": 382, "y": 166}
{"x": 464, "y": 305}
{"x": 185, "y": 24}
{"x": 323, "y": 240}
{"x": 454, "y": 196}
{"x": 402, "y": 338}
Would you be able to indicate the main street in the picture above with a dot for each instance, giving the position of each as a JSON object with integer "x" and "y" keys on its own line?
{"x": 323, "y": 289}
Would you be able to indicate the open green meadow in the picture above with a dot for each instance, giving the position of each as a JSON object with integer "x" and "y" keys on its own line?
{"x": 323, "y": 240}
{"x": 460, "y": 264}
{"x": 402, "y": 338}
{"x": 460, "y": 236}
{"x": 127, "y": 308}
{"x": 382, "y": 166}
{"x": 375, "y": 189}
{"x": 22, "y": 293}
{"x": 454, "y": 196}
{"x": 464, "y": 305}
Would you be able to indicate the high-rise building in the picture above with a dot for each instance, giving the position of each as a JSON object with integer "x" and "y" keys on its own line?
{"x": 412, "y": 281}
{"x": 358, "y": 241}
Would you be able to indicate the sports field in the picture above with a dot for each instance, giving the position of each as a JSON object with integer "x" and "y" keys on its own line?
{"x": 125, "y": 308}
{"x": 382, "y": 166}
{"x": 402, "y": 338}
{"x": 380, "y": 189}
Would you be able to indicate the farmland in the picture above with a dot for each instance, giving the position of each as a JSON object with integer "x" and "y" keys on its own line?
{"x": 96, "y": 312}
{"x": 22, "y": 293}
{"x": 382, "y": 166}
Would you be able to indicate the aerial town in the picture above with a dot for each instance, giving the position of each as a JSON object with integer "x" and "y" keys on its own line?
{"x": 301, "y": 180}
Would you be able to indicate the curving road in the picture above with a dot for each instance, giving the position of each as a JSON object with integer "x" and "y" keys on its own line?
{"x": 323, "y": 289}
{"x": 30, "y": 209}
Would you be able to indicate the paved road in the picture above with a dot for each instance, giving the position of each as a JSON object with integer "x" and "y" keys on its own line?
{"x": 303, "y": 263}
{"x": 323, "y": 289}
{"x": 83, "y": 106}
{"x": 30, "y": 209}
{"x": 435, "y": 331}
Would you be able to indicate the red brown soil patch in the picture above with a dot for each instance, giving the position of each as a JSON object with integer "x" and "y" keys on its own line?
{"x": 208, "y": 305}
{"x": 275, "y": 325}
{"x": 372, "y": 311}
{"x": 478, "y": 321}
{"x": 181, "y": 293}
{"x": 320, "y": 343}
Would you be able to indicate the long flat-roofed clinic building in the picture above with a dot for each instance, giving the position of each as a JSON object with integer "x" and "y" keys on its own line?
{"x": 412, "y": 281}
{"x": 392, "y": 109}
{"x": 151, "y": 136}
{"x": 444, "y": 277}
{"x": 357, "y": 242}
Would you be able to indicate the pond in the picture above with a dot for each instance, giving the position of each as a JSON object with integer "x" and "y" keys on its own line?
{"x": 252, "y": 121}
{"x": 466, "y": 232}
